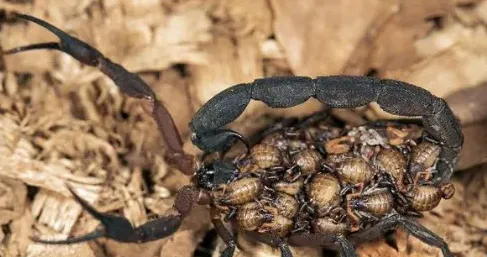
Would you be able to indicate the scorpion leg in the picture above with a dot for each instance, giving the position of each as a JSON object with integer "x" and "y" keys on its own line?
{"x": 336, "y": 242}
{"x": 231, "y": 213}
{"x": 346, "y": 247}
{"x": 424, "y": 234}
{"x": 225, "y": 235}
{"x": 271, "y": 240}
{"x": 390, "y": 222}
{"x": 285, "y": 251}
{"x": 128, "y": 82}
{"x": 120, "y": 229}
{"x": 386, "y": 224}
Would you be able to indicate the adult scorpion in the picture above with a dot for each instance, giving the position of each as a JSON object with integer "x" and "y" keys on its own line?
{"x": 209, "y": 134}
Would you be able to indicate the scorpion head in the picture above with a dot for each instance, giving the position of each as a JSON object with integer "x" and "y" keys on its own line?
{"x": 215, "y": 173}
{"x": 358, "y": 203}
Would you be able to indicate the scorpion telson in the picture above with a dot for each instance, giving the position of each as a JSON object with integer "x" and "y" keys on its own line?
{"x": 262, "y": 191}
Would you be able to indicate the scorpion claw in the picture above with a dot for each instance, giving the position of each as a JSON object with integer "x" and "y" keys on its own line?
{"x": 107, "y": 220}
{"x": 48, "y": 45}
{"x": 78, "y": 49}
{"x": 88, "y": 237}
{"x": 115, "y": 227}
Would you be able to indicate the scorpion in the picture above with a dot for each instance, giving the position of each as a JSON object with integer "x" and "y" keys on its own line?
{"x": 209, "y": 134}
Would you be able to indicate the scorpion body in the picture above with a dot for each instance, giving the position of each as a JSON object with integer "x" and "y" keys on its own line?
{"x": 392, "y": 162}
{"x": 286, "y": 205}
{"x": 266, "y": 156}
{"x": 290, "y": 188}
{"x": 424, "y": 156}
{"x": 355, "y": 170}
{"x": 324, "y": 193}
{"x": 426, "y": 198}
{"x": 251, "y": 216}
{"x": 241, "y": 191}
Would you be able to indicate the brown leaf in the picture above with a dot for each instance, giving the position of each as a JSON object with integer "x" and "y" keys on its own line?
{"x": 469, "y": 104}
{"x": 474, "y": 151}
{"x": 320, "y": 36}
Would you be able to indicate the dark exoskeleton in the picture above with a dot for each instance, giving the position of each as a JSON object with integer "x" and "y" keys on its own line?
{"x": 209, "y": 134}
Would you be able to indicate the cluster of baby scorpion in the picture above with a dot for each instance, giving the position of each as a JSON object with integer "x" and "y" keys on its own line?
{"x": 332, "y": 180}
